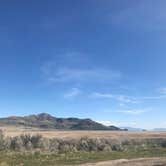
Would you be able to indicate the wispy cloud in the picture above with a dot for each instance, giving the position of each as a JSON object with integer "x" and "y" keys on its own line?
{"x": 101, "y": 95}
{"x": 153, "y": 97}
{"x": 75, "y": 67}
{"x": 57, "y": 74}
{"x": 120, "y": 98}
{"x": 124, "y": 99}
{"x": 162, "y": 91}
{"x": 134, "y": 111}
{"x": 74, "y": 92}
{"x": 144, "y": 15}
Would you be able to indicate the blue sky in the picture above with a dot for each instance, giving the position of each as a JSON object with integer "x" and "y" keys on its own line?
{"x": 99, "y": 59}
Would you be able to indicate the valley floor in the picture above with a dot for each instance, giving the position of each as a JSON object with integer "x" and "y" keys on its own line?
{"x": 12, "y": 131}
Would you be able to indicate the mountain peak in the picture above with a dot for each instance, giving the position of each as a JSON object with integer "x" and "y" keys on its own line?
{"x": 40, "y": 117}
{"x": 44, "y": 116}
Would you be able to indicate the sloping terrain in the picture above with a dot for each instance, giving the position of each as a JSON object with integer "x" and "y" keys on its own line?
{"x": 47, "y": 121}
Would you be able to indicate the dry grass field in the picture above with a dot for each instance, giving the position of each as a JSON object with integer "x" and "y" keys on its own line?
{"x": 15, "y": 131}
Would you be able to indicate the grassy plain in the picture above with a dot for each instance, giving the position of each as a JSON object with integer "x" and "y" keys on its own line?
{"x": 29, "y": 159}
{"x": 119, "y": 135}
{"x": 152, "y": 155}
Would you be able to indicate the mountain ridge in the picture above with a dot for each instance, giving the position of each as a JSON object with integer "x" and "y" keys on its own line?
{"x": 47, "y": 121}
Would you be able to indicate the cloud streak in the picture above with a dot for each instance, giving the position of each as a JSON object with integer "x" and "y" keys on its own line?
{"x": 127, "y": 99}
{"x": 134, "y": 111}
{"x": 56, "y": 74}
{"x": 162, "y": 91}
{"x": 145, "y": 15}
{"x": 74, "y": 92}
{"x": 120, "y": 98}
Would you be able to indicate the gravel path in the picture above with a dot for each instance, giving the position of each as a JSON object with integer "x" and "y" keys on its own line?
{"x": 133, "y": 162}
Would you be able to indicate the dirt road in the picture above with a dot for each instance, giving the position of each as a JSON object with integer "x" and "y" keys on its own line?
{"x": 133, "y": 162}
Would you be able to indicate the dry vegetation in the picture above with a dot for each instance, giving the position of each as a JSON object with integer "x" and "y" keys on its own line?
{"x": 16, "y": 131}
{"x": 53, "y": 147}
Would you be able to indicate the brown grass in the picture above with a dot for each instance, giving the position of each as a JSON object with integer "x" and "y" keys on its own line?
{"x": 15, "y": 131}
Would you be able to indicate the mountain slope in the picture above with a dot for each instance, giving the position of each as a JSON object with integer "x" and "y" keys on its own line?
{"x": 47, "y": 121}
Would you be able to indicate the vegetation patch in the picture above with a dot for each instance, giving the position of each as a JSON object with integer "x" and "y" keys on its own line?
{"x": 32, "y": 150}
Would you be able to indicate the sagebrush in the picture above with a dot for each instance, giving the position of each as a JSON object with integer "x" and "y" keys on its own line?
{"x": 28, "y": 142}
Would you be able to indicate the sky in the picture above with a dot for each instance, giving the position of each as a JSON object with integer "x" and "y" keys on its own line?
{"x": 98, "y": 59}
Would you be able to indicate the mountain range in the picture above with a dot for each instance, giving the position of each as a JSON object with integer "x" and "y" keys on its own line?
{"x": 46, "y": 121}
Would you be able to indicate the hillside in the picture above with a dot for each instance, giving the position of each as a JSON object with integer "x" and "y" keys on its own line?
{"x": 47, "y": 121}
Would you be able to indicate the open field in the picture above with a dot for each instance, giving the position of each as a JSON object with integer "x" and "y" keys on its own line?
{"x": 129, "y": 158}
{"x": 22, "y": 146}
{"x": 15, "y": 131}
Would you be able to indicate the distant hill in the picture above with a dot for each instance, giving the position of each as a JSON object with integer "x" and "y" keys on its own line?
{"x": 133, "y": 129}
{"x": 159, "y": 129}
{"x": 47, "y": 121}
